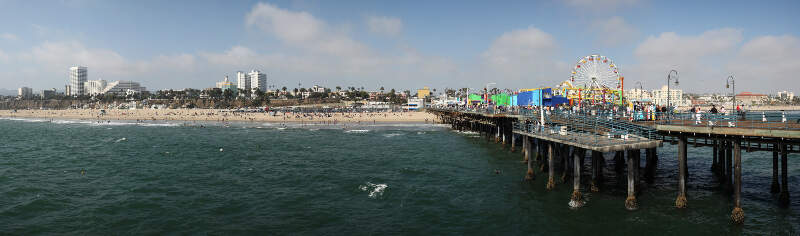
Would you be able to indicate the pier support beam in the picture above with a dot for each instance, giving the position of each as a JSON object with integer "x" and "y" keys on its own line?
{"x": 551, "y": 184}
{"x": 565, "y": 155}
{"x": 637, "y": 163}
{"x": 721, "y": 161}
{"x": 619, "y": 161}
{"x": 715, "y": 160}
{"x": 576, "y": 200}
{"x": 596, "y": 172}
{"x": 729, "y": 166}
{"x": 529, "y": 175}
{"x": 737, "y": 215}
{"x": 680, "y": 202}
{"x": 525, "y": 153}
{"x": 513, "y": 143}
{"x": 652, "y": 164}
{"x": 497, "y": 136}
{"x": 783, "y": 198}
{"x": 776, "y": 187}
{"x": 630, "y": 202}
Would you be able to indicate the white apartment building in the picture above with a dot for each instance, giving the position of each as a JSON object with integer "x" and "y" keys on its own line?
{"x": 638, "y": 95}
{"x": 318, "y": 89}
{"x": 258, "y": 80}
{"x": 77, "y": 78}
{"x": 25, "y": 92}
{"x": 121, "y": 87}
{"x": 786, "y": 95}
{"x": 674, "y": 97}
{"x": 94, "y": 87}
{"x": 242, "y": 81}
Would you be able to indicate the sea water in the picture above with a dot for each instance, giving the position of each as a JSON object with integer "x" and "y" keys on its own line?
{"x": 84, "y": 177}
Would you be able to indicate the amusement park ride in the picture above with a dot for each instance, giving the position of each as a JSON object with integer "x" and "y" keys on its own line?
{"x": 595, "y": 79}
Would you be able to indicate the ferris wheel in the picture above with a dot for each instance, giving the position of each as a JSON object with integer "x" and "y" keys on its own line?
{"x": 596, "y": 72}
{"x": 597, "y": 75}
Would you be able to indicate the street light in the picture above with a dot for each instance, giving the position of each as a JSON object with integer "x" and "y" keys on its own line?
{"x": 670, "y": 77}
{"x": 730, "y": 82}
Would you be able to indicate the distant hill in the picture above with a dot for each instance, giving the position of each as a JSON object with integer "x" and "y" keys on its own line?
{"x": 7, "y": 92}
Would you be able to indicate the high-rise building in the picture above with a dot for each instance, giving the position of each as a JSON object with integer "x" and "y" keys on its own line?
{"x": 258, "y": 80}
{"x": 77, "y": 78}
{"x": 242, "y": 81}
{"x": 25, "y": 92}
{"x": 94, "y": 87}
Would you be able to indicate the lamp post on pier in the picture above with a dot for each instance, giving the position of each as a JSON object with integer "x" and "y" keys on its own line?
{"x": 730, "y": 82}
{"x": 669, "y": 95}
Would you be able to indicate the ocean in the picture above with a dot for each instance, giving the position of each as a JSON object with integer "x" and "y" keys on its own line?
{"x": 85, "y": 178}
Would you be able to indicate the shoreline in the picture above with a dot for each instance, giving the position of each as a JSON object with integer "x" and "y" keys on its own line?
{"x": 210, "y": 115}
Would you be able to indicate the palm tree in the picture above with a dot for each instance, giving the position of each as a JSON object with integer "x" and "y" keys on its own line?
{"x": 338, "y": 88}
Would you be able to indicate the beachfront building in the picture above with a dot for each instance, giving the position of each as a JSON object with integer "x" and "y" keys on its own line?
{"x": 227, "y": 85}
{"x": 77, "y": 78}
{"x": 748, "y": 98}
{"x": 318, "y": 89}
{"x": 639, "y": 95}
{"x": 258, "y": 81}
{"x": 48, "y": 93}
{"x": 242, "y": 81}
{"x": 424, "y": 92}
{"x": 414, "y": 104}
{"x": 25, "y": 92}
{"x": 94, "y": 87}
{"x": 674, "y": 97}
{"x": 785, "y": 95}
{"x": 124, "y": 87}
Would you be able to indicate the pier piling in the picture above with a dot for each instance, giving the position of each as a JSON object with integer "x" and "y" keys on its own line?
{"x": 729, "y": 166}
{"x": 680, "y": 202}
{"x": 595, "y": 185}
{"x": 525, "y": 153}
{"x": 737, "y": 215}
{"x": 513, "y": 143}
{"x": 715, "y": 155}
{"x": 551, "y": 184}
{"x": 576, "y": 200}
{"x": 630, "y": 201}
{"x": 529, "y": 175}
{"x": 776, "y": 187}
{"x": 783, "y": 198}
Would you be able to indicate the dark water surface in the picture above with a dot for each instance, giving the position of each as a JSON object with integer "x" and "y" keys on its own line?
{"x": 391, "y": 179}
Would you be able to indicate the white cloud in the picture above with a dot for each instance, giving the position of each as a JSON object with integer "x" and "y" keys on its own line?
{"x": 3, "y": 56}
{"x": 613, "y": 31}
{"x": 389, "y": 26}
{"x": 8, "y": 36}
{"x": 304, "y": 31}
{"x": 316, "y": 49}
{"x": 54, "y": 58}
{"x": 296, "y": 27}
{"x": 524, "y": 57}
{"x": 697, "y": 58}
{"x": 768, "y": 63}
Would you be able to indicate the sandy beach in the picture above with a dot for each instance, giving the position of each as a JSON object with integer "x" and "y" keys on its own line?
{"x": 222, "y": 115}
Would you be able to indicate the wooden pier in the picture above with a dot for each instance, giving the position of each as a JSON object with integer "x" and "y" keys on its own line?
{"x": 563, "y": 140}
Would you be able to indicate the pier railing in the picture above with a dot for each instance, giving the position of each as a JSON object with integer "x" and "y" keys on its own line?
{"x": 749, "y": 120}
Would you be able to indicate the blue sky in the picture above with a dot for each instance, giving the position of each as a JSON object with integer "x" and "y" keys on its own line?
{"x": 400, "y": 44}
